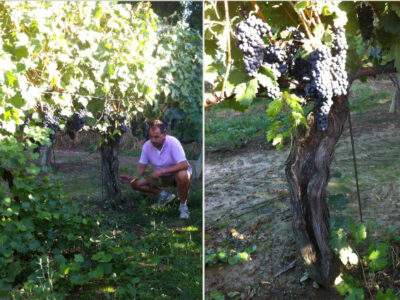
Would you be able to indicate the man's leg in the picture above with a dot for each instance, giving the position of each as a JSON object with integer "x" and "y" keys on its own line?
{"x": 182, "y": 179}
{"x": 143, "y": 186}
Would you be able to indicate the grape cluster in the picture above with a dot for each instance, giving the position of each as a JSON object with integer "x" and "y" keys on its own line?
{"x": 296, "y": 35}
{"x": 134, "y": 126}
{"x": 76, "y": 122}
{"x": 174, "y": 122}
{"x": 107, "y": 112}
{"x": 365, "y": 18}
{"x": 323, "y": 71}
{"x": 123, "y": 128}
{"x": 166, "y": 122}
{"x": 145, "y": 130}
{"x": 338, "y": 64}
{"x": 249, "y": 33}
{"x": 320, "y": 86}
{"x": 275, "y": 60}
{"x": 300, "y": 70}
{"x": 50, "y": 120}
{"x": 328, "y": 76}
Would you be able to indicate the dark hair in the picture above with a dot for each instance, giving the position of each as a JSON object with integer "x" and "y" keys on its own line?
{"x": 160, "y": 124}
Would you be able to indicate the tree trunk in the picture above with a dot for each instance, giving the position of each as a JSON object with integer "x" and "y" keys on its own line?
{"x": 110, "y": 164}
{"x": 46, "y": 156}
{"x": 395, "y": 99}
{"x": 198, "y": 167}
{"x": 307, "y": 172}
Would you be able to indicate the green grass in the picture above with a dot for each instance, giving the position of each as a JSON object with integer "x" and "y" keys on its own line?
{"x": 226, "y": 129}
{"x": 366, "y": 98}
{"x": 134, "y": 153}
{"x": 170, "y": 262}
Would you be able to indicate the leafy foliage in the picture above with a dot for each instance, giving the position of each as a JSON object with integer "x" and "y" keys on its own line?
{"x": 81, "y": 55}
{"x": 231, "y": 256}
{"x": 354, "y": 245}
{"x": 73, "y": 57}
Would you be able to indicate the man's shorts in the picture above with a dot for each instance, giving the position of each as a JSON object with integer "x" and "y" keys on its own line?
{"x": 164, "y": 181}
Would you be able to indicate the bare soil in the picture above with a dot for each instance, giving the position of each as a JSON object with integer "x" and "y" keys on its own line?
{"x": 246, "y": 191}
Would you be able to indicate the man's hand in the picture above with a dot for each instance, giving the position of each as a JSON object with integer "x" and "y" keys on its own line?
{"x": 156, "y": 174}
{"x": 126, "y": 178}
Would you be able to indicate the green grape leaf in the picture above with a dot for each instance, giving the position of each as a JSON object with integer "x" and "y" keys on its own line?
{"x": 301, "y": 5}
{"x": 216, "y": 295}
{"x": 274, "y": 108}
{"x": 78, "y": 258}
{"x": 391, "y": 23}
{"x": 98, "y": 272}
{"x": 243, "y": 256}
{"x": 17, "y": 101}
{"x": 319, "y": 31}
{"x": 20, "y": 52}
{"x": 359, "y": 232}
{"x": 389, "y": 295}
{"x": 233, "y": 260}
{"x": 377, "y": 256}
{"x": 246, "y": 92}
{"x": 264, "y": 80}
{"x": 395, "y": 54}
{"x": 326, "y": 11}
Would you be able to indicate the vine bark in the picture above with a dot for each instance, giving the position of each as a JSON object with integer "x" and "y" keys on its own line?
{"x": 307, "y": 172}
{"x": 110, "y": 165}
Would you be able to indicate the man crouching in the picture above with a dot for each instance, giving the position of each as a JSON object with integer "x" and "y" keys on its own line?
{"x": 171, "y": 168}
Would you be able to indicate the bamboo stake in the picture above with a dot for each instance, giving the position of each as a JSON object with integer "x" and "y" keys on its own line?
{"x": 228, "y": 47}
{"x": 355, "y": 167}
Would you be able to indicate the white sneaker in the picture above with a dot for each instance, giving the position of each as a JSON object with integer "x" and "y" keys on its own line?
{"x": 184, "y": 212}
{"x": 164, "y": 199}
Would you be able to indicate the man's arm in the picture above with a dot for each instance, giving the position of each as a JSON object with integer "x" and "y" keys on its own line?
{"x": 183, "y": 165}
{"x": 141, "y": 168}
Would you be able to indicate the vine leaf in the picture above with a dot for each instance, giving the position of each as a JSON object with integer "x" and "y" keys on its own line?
{"x": 246, "y": 92}
{"x": 274, "y": 108}
{"x": 395, "y": 8}
{"x": 395, "y": 53}
{"x": 264, "y": 80}
{"x": 318, "y": 31}
{"x": 391, "y": 23}
{"x": 17, "y": 101}
{"x": 377, "y": 256}
{"x": 301, "y": 5}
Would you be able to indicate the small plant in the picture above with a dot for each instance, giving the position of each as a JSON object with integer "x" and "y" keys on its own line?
{"x": 230, "y": 256}
{"x": 355, "y": 246}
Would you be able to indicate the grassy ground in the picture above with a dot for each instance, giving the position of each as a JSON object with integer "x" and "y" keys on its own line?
{"x": 229, "y": 130}
{"x": 171, "y": 249}
{"x": 226, "y": 129}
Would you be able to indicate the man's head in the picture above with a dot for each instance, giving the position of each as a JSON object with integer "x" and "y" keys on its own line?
{"x": 157, "y": 133}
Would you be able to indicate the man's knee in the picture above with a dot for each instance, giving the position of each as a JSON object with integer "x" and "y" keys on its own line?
{"x": 182, "y": 177}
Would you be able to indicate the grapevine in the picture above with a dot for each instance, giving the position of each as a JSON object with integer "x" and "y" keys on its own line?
{"x": 76, "y": 122}
{"x": 322, "y": 70}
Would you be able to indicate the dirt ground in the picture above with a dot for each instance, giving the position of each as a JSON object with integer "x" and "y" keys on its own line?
{"x": 246, "y": 191}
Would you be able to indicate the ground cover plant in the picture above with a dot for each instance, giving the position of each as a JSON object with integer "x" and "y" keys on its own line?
{"x": 69, "y": 67}
{"x": 302, "y": 58}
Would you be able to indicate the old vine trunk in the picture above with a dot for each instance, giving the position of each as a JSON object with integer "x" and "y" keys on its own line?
{"x": 307, "y": 172}
{"x": 110, "y": 164}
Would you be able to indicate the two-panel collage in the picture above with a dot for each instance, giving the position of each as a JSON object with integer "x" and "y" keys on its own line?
{"x": 208, "y": 150}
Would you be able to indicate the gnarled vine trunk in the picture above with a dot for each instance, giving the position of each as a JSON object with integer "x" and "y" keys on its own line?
{"x": 110, "y": 164}
{"x": 307, "y": 172}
